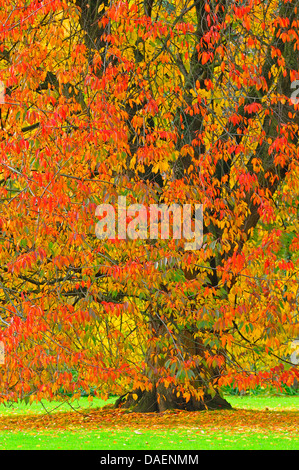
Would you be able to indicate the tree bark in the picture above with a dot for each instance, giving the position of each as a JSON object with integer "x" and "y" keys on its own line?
{"x": 161, "y": 399}
{"x": 164, "y": 397}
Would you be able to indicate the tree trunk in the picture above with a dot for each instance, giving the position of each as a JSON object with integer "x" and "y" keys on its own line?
{"x": 161, "y": 399}
{"x": 164, "y": 397}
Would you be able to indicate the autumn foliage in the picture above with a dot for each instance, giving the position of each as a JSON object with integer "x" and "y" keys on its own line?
{"x": 177, "y": 101}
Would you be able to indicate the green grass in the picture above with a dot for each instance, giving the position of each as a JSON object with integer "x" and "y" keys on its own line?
{"x": 263, "y": 402}
{"x": 147, "y": 440}
{"x": 249, "y": 402}
{"x": 151, "y": 439}
{"x": 54, "y": 406}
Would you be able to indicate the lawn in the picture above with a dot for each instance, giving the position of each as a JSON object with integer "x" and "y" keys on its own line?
{"x": 255, "y": 423}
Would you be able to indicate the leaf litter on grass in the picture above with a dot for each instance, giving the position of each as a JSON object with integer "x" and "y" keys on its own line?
{"x": 238, "y": 421}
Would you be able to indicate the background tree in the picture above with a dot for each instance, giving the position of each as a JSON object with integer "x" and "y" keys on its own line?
{"x": 161, "y": 102}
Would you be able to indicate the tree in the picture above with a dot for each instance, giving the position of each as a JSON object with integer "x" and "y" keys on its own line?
{"x": 159, "y": 102}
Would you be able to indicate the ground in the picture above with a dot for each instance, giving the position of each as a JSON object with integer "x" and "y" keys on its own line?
{"x": 254, "y": 423}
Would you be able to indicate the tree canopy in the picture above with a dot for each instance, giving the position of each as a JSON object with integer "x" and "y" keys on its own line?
{"x": 159, "y": 102}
